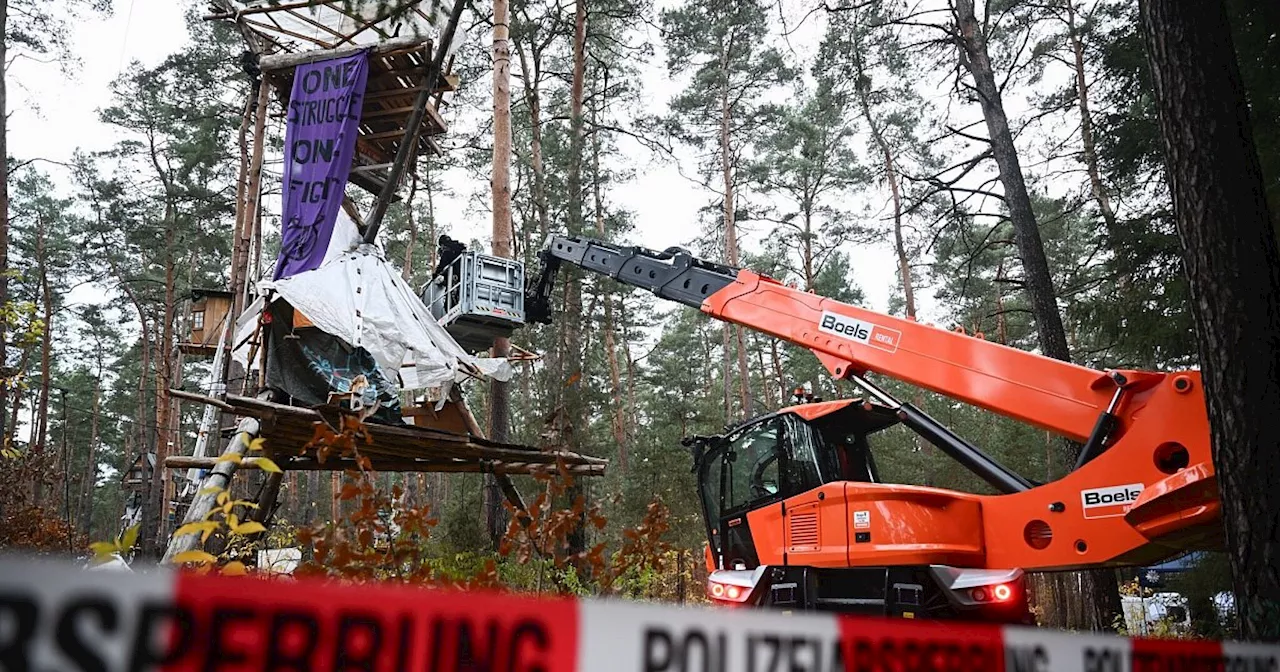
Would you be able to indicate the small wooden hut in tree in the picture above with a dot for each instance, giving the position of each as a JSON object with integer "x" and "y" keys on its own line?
{"x": 206, "y": 320}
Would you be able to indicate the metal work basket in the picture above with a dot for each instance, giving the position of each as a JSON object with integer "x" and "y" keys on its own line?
{"x": 477, "y": 298}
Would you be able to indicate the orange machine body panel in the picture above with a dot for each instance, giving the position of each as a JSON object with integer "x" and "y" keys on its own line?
{"x": 1151, "y": 494}
{"x": 902, "y": 524}
{"x": 814, "y": 531}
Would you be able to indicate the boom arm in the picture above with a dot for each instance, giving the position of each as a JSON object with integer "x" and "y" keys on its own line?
{"x": 1135, "y": 424}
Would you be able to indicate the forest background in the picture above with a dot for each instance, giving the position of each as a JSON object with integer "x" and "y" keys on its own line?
{"x": 844, "y": 148}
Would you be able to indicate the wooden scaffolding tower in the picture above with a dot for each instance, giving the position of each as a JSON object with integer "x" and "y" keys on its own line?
{"x": 410, "y": 45}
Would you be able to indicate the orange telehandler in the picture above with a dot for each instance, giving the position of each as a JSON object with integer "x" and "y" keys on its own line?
{"x": 797, "y": 517}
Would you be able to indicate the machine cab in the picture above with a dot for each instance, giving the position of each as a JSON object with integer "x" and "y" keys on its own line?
{"x": 776, "y": 457}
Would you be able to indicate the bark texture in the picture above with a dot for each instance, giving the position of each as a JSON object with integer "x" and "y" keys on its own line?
{"x": 499, "y": 392}
{"x": 4, "y": 222}
{"x": 1233, "y": 268}
{"x": 728, "y": 160}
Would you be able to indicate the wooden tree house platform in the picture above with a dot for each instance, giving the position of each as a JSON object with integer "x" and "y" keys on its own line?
{"x": 288, "y": 34}
{"x": 289, "y": 430}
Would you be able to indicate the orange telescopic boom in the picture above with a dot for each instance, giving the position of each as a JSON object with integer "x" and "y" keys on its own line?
{"x": 1142, "y": 490}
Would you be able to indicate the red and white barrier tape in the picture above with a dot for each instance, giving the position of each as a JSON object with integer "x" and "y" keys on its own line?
{"x": 57, "y": 617}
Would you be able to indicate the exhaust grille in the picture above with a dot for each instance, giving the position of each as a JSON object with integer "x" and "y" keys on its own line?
{"x": 804, "y": 531}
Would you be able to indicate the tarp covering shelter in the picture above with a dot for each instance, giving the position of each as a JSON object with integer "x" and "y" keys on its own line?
{"x": 359, "y": 297}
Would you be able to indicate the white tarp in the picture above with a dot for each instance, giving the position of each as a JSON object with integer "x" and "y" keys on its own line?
{"x": 359, "y": 297}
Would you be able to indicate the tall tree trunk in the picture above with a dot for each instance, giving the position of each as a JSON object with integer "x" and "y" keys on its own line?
{"x": 779, "y": 378}
{"x": 806, "y": 247}
{"x": 144, "y": 348}
{"x": 574, "y": 407}
{"x": 407, "y": 271}
{"x": 91, "y": 460}
{"x": 576, "y": 135}
{"x": 309, "y": 501}
{"x": 1088, "y": 146}
{"x": 618, "y": 408}
{"x": 899, "y": 247}
{"x": 164, "y": 374}
{"x": 46, "y": 339}
{"x": 731, "y": 234}
{"x": 1038, "y": 282}
{"x": 499, "y": 392}
{"x": 890, "y": 173}
{"x": 4, "y": 217}
{"x": 432, "y": 249}
{"x": 1101, "y": 596}
{"x": 1233, "y": 268}
{"x": 764, "y": 375}
{"x": 533, "y": 100}
{"x": 631, "y": 364}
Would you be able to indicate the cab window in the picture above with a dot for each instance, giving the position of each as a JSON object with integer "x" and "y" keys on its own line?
{"x": 752, "y": 461}
{"x": 805, "y": 469}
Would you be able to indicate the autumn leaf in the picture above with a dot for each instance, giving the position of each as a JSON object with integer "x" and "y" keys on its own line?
{"x": 250, "y": 527}
{"x": 128, "y": 538}
{"x": 234, "y": 568}
{"x": 103, "y": 549}
{"x": 197, "y": 557}
{"x": 266, "y": 464}
{"x": 229, "y": 457}
{"x": 203, "y": 528}
{"x": 257, "y": 445}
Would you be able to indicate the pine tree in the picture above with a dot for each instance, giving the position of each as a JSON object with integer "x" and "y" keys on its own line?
{"x": 1233, "y": 267}
{"x": 722, "y": 45}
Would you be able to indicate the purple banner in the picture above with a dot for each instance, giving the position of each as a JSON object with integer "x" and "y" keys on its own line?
{"x": 319, "y": 144}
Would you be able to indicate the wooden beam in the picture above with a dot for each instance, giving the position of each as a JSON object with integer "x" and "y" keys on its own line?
{"x": 437, "y": 119}
{"x": 385, "y": 112}
{"x": 200, "y": 398}
{"x": 286, "y": 61}
{"x": 368, "y": 169}
{"x": 503, "y": 480}
{"x": 395, "y": 464}
{"x": 392, "y": 93}
{"x": 284, "y": 31}
{"x": 474, "y": 446}
{"x": 261, "y": 9}
{"x": 387, "y": 135}
{"x": 409, "y": 146}
{"x": 220, "y": 477}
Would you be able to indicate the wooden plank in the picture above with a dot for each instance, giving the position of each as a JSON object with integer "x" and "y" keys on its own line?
{"x": 393, "y": 464}
{"x": 436, "y": 127}
{"x": 284, "y": 31}
{"x": 367, "y": 169}
{"x": 392, "y": 93}
{"x": 378, "y": 113}
{"x": 200, "y": 398}
{"x": 293, "y": 60}
{"x": 424, "y": 437}
{"x": 437, "y": 119}
{"x": 261, "y": 9}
